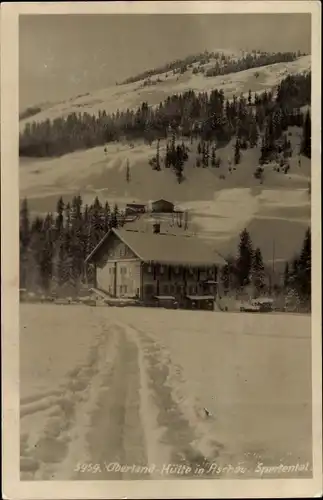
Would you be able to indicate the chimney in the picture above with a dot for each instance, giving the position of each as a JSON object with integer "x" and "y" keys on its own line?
{"x": 156, "y": 227}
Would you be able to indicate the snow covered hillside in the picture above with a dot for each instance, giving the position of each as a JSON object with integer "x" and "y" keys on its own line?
{"x": 218, "y": 208}
{"x": 120, "y": 386}
{"x": 220, "y": 201}
{"x": 133, "y": 94}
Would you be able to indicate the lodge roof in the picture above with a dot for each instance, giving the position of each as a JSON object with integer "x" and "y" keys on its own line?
{"x": 163, "y": 199}
{"x": 162, "y": 248}
{"x": 130, "y": 205}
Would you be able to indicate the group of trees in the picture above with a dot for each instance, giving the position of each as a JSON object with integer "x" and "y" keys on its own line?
{"x": 249, "y": 61}
{"x": 247, "y": 269}
{"x": 250, "y": 120}
{"x": 297, "y": 275}
{"x": 53, "y": 248}
{"x": 209, "y": 117}
{"x": 225, "y": 63}
{"x": 175, "y": 157}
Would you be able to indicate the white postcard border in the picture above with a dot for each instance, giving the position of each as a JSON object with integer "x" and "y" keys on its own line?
{"x": 251, "y": 488}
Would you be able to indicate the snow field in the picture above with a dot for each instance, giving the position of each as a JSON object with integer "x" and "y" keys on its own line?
{"x": 54, "y": 422}
{"x": 251, "y": 372}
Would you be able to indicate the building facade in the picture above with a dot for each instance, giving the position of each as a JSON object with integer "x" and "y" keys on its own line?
{"x": 162, "y": 206}
{"x": 143, "y": 265}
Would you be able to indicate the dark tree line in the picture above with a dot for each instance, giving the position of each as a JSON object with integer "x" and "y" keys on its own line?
{"x": 248, "y": 62}
{"x": 247, "y": 270}
{"x": 192, "y": 115}
{"x": 224, "y": 64}
{"x": 297, "y": 275}
{"x": 53, "y": 248}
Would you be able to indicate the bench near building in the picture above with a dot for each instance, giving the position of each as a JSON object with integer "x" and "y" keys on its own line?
{"x": 153, "y": 266}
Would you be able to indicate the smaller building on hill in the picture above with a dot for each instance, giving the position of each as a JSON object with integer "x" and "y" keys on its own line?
{"x": 162, "y": 206}
{"x": 151, "y": 264}
{"x": 135, "y": 208}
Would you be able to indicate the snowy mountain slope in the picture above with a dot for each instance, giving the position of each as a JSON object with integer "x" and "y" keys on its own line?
{"x": 121, "y": 97}
{"x": 221, "y": 201}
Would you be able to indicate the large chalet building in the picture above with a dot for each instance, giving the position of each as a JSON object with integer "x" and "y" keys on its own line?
{"x": 145, "y": 265}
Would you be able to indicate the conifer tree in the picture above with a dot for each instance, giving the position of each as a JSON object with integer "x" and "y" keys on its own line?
{"x": 304, "y": 266}
{"x": 213, "y": 158}
{"x": 249, "y": 98}
{"x": 158, "y": 155}
{"x": 258, "y": 271}
{"x": 237, "y": 154}
{"x": 24, "y": 238}
{"x": 286, "y": 276}
{"x": 306, "y": 139}
{"x": 245, "y": 259}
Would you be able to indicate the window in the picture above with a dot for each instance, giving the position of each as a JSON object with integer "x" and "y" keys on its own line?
{"x": 123, "y": 270}
{"x": 149, "y": 289}
{"x": 149, "y": 269}
{"x": 125, "y": 288}
{"x": 161, "y": 269}
{"x": 165, "y": 289}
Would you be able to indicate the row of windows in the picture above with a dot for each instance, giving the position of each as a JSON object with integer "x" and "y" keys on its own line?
{"x": 123, "y": 270}
{"x": 122, "y": 289}
{"x": 121, "y": 253}
{"x": 177, "y": 270}
{"x": 169, "y": 289}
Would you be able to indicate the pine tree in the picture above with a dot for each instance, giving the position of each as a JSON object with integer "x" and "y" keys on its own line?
{"x": 306, "y": 139}
{"x": 107, "y": 217}
{"x": 60, "y": 215}
{"x": 249, "y": 98}
{"x": 24, "y": 237}
{"x": 46, "y": 253}
{"x": 115, "y": 217}
{"x": 237, "y": 154}
{"x": 245, "y": 259}
{"x": 286, "y": 276}
{"x": 304, "y": 266}
{"x": 213, "y": 158}
{"x": 158, "y": 155}
{"x": 258, "y": 271}
{"x": 253, "y": 133}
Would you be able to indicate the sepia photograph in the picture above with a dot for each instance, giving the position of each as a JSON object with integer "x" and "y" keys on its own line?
{"x": 164, "y": 217}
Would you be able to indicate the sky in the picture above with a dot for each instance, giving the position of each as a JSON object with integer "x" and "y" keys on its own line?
{"x": 61, "y": 56}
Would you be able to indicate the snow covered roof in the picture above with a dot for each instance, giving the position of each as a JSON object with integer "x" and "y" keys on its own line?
{"x": 163, "y": 248}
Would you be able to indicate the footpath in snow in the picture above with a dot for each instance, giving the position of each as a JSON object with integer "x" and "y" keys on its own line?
{"x": 119, "y": 394}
